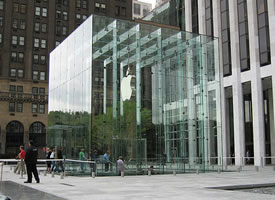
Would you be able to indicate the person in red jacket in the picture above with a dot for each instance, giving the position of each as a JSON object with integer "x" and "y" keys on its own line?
{"x": 21, "y": 164}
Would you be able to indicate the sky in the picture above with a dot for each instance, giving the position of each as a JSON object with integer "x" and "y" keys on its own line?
{"x": 150, "y": 1}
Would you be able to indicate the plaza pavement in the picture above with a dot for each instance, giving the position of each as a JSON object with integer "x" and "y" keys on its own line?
{"x": 181, "y": 186}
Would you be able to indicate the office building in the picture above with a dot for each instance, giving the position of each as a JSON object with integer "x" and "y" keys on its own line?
{"x": 141, "y": 9}
{"x": 29, "y": 31}
{"x": 246, "y": 35}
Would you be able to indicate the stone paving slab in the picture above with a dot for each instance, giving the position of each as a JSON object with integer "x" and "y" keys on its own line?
{"x": 182, "y": 186}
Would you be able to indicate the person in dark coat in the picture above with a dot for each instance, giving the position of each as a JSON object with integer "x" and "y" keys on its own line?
{"x": 31, "y": 160}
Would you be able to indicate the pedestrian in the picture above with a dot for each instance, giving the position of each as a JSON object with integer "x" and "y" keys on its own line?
{"x": 60, "y": 166}
{"x": 82, "y": 157}
{"x": 52, "y": 156}
{"x": 31, "y": 160}
{"x": 48, "y": 157}
{"x": 106, "y": 161}
{"x": 21, "y": 164}
{"x": 120, "y": 165}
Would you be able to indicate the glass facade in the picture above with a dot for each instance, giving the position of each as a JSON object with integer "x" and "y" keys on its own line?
{"x": 139, "y": 91}
{"x": 170, "y": 13}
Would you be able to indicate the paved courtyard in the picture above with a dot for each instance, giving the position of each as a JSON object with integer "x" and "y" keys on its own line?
{"x": 181, "y": 186}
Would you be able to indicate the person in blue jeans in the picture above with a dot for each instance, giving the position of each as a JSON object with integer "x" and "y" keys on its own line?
{"x": 106, "y": 161}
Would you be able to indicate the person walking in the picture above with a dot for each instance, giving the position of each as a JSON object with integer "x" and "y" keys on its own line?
{"x": 82, "y": 157}
{"x": 21, "y": 164}
{"x": 31, "y": 160}
{"x": 120, "y": 165}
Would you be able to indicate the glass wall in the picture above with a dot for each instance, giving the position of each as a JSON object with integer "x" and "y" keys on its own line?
{"x": 138, "y": 91}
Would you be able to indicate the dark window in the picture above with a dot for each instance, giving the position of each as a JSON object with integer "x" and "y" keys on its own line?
{"x": 42, "y": 91}
{"x": 35, "y": 90}
{"x": 243, "y": 36}
{"x": 12, "y": 88}
{"x": 263, "y": 28}
{"x": 195, "y": 17}
{"x": 136, "y": 9}
{"x": 12, "y": 107}
{"x": 226, "y": 50}
{"x": 34, "y": 108}
{"x": 19, "y": 107}
{"x": 19, "y": 88}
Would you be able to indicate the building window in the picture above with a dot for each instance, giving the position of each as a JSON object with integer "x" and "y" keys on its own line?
{"x": 16, "y": 8}
{"x": 209, "y": 17}
{"x": 117, "y": 10}
{"x": 42, "y": 91}
{"x": 12, "y": 107}
{"x": 43, "y": 43}
{"x": 13, "y": 56}
{"x": 35, "y": 59}
{"x": 14, "y": 40}
{"x": 41, "y": 108}
{"x": 136, "y": 9}
{"x": 19, "y": 88}
{"x": 78, "y": 3}
{"x": 78, "y": 16}
{"x": 12, "y": 88}
{"x": 84, "y": 4}
{"x": 84, "y": 17}
{"x": 65, "y": 16}
{"x": 36, "y": 43}
{"x": 21, "y": 41}
{"x": 23, "y": 9}
{"x": 42, "y": 76}
{"x": 2, "y": 5}
{"x": 42, "y": 60}
{"x": 263, "y": 29}
{"x": 34, "y": 108}
{"x": 15, "y": 23}
{"x": 37, "y": 11}
{"x": 13, "y": 72}
{"x": 226, "y": 52}
{"x": 243, "y": 35}
{"x": 21, "y": 57}
{"x": 64, "y": 30}
{"x": 44, "y": 12}
{"x": 123, "y": 11}
{"x": 195, "y": 16}
{"x": 22, "y": 25}
{"x": 35, "y": 75}
{"x": 57, "y": 43}
{"x": 20, "y": 73}
{"x": 97, "y": 6}
{"x": 1, "y": 21}
{"x": 103, "y": 6}
{"x": 19, "y": 107}
{"x": 43, "y": 28}
{"x": 36, "y": 27}
{"x": 35, "y": 90}
{"x": 58, "y": 14}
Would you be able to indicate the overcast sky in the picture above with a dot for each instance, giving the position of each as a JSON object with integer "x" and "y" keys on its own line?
{"x": 150, "y": 1}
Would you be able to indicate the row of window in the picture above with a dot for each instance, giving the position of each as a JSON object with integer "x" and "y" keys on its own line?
{"x": 61, "y": 30}
{"x": 18, "y": 40}
{"x": 19, "y": 8}
{"x": 19, "y": 88}
{"x": 19, "y": 57}
{"x": 82, "y": 4}
{"x": 41, "y": 12}
{"x": 36, "y": 75}
{"x": 18, "y": 107}
{"x": 42, "y": 43}
{"x": 19, "y": 24}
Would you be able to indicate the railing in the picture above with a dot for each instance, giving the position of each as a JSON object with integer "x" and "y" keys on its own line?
{"x": 13, "y": 96}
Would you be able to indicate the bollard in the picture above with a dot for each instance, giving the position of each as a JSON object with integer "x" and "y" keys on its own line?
{"x": 149, "y": 172}
{"x": 257, "y": 168}
{"x": 219, "y": 170}
{"x": 122, "y": 174}
{"x": 93, "y": 174}
{"x": 45, "y": 173}
{"x": 52, "y": 174}
{"x": 61, "y": 175}
{"x": 174, "y": 172}
{"x": 198, "y": 171}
